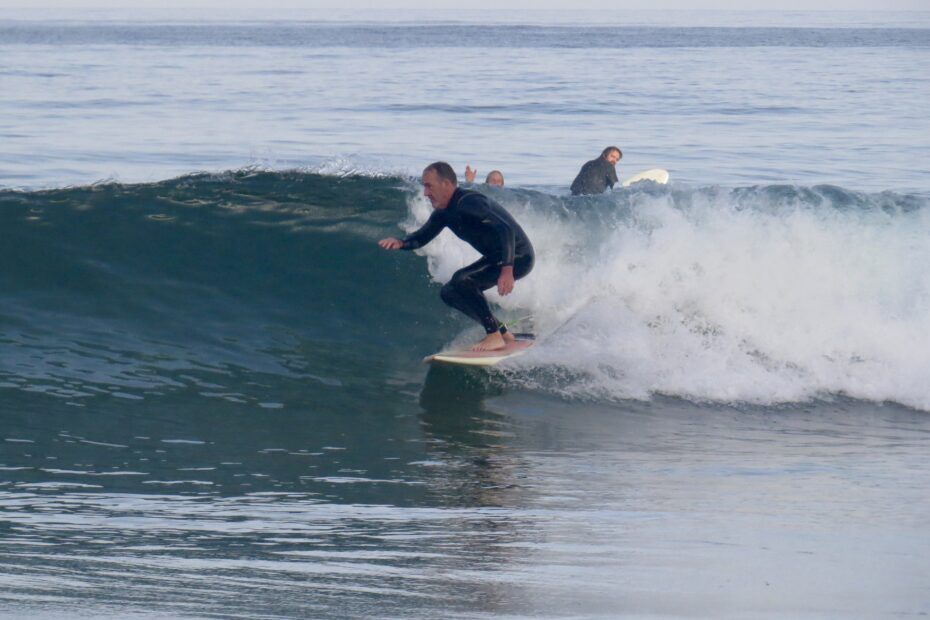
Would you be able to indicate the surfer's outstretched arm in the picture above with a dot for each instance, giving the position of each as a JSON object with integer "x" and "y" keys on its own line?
{"x": 426, "y": 233}
{"x": 418, "y": 238}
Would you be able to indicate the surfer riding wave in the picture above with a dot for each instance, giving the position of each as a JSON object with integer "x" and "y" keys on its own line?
{"x": 506, "y": 252}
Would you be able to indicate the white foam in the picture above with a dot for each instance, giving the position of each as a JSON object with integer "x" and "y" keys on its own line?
{"x": 760, "y": 295}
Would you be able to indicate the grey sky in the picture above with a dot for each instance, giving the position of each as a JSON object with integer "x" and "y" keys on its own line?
{"x": 484, "y": 5}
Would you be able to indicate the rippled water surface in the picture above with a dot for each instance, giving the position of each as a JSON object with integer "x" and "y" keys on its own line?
{"x": 467, "y": 506}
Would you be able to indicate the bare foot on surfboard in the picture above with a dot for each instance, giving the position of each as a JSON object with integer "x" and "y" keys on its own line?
{"x": 508, "y": 337}
{"x": 491, "y": 342}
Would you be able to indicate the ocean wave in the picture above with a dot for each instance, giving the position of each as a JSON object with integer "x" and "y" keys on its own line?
{"x": 768, "y": 294}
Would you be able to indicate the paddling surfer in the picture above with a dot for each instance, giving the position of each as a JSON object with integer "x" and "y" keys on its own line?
{"x": 506, "y": 252}
{"x": 597, "y": 175}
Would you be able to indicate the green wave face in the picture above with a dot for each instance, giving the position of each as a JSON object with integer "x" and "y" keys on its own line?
{"x": 246, "y": 270}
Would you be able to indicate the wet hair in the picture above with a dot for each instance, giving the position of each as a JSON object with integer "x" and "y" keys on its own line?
{"x": 443, "y": 171}
{"x": 487, "y": 179}
{"x": 607, "y": 151}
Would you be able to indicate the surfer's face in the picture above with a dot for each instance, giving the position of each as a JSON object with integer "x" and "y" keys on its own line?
{"x": 437, "y": 189}
{"x": 613, "y": 157}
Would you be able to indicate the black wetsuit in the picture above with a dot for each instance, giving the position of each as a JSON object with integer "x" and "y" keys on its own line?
{"x": 488, "y": 228}
{"x": 595, "y": 177}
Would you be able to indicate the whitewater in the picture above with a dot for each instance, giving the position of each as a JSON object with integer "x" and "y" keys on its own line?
{"x": 766, "y": 294}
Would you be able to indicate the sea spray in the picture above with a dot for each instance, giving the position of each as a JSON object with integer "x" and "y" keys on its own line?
{"x": 763, "y": 294}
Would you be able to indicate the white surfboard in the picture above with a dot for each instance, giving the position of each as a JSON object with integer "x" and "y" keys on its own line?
{"x": 656, "y": 174}
{"x": 466, "y": 357}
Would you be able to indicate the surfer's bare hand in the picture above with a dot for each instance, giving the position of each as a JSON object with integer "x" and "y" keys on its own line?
{"x": 390, "y": 243}
{"x": 505, "y": 281}
{"x": 470, "y": 174}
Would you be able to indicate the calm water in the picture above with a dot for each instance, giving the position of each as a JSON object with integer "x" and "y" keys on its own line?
{"x": 801, "y": 101}
{"x": 211, "y": 397}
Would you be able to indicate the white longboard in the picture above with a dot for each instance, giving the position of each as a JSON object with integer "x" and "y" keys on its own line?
{"x": 466, "y": 357}
{"x": 656, "y": 174}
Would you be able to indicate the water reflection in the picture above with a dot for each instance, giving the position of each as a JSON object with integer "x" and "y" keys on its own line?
{"x": 457, "y": 497}
{"x": 453, "y": 400}
{"x": 474, "y": 442}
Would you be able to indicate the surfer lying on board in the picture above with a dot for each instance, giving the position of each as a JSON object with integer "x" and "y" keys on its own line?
{"x": 598, "y": 174}
{"x": 506, "y": 252}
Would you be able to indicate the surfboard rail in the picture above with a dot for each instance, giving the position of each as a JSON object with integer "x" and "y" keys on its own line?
{"x": 467, "y": 357}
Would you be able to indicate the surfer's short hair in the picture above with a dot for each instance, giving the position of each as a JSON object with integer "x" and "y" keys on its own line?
{"x": 443, "y": 171}
{"x": 608, "y": 150}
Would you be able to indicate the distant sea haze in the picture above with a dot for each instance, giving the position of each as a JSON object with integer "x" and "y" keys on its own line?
{"x": 394, "y": 36}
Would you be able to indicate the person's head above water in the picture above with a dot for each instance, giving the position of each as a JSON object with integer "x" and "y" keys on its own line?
{"x": 612, "y": 154}
{"x": 495, "y": 177}
{"x": 439, "y": 183}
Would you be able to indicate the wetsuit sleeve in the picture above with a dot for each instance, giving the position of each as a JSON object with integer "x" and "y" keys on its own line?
{"x": 478, "y": 207}
{"x": 611, "y": 175}
{"x": 426, "y": 233}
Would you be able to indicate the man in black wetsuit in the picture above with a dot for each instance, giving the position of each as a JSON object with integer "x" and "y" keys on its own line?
{"x": 506, "y": 252}
{"x": 598, "y": 174}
